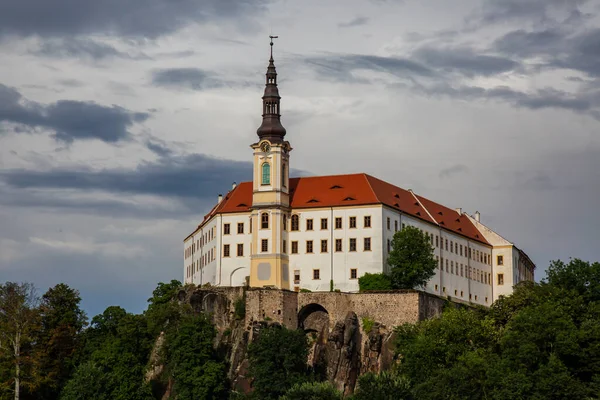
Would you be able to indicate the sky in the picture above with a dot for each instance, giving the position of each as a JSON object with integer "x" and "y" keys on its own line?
{"x": 121, "y": 121}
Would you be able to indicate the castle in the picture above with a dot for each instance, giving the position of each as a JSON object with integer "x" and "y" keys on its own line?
{"x": 326, "y": 231}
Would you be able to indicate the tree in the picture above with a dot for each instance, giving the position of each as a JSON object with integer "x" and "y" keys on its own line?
{"x": 197, "y": 371}
{"x": 278, "y": 361}
{"x": 312, "y": 391}
{"x": 411, "y": 259}
{"x": 62, "y": 320}
{"x": 374, "y": 282}
{"x": 383, "y": 386}
{"x": 18, "y": 321}
{"x": 163, "y": 308}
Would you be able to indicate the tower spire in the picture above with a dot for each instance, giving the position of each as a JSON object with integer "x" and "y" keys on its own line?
{"x": 271, "y": 128}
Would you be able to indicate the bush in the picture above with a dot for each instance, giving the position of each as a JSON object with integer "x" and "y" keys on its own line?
{"x": 312, "y": 391}
{"x": 240, "y": 308}
{"x": 385, "y": 386}
{"x": 374, "y": 282}
{"x": 368, "y": 324}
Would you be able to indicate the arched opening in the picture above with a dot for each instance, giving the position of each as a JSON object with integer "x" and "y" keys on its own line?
{"x": 313, "y": 317}
{"x": 264, "y": 221}
{"x": 295, "y": 222}
{"x": 266, "y": 173}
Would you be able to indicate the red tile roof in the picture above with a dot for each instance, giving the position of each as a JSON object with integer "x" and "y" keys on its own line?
{"x": 353, "y": 190}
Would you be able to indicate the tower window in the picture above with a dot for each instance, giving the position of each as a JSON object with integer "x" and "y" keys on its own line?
{"x": 295, "y": 222}
{"x": 500, "y": 279}
{"x": 266, "y": 173}
{"x": 264, "y": 245}
{"x": 500, "y": 260}
{"x": 264, "y": 221}
{"x": 283, "y": 175}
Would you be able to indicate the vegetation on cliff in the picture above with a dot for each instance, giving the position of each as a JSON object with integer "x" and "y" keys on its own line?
{"x": 542, "y": 342}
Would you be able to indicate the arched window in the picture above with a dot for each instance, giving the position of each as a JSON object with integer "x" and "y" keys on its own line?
{"x": 264, "y": 221}
{"x": 266, "y": 173}
{"x": 295, "y": 222}
{"x": 283, "y": 175}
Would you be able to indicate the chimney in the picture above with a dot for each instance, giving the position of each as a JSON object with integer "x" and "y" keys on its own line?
{"x": 459, "y": 210}
{"x": 477, "y": 216}
{"x": 220, "y": 198}
{"x": 233, "y": 186}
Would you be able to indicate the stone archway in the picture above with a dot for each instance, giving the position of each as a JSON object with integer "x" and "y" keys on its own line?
{"x": 313, "y": 317}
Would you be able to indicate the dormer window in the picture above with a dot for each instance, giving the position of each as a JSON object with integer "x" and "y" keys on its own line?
{"x": 266, "y": 174}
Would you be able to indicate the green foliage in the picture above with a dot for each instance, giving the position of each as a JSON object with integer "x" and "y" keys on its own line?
{"x": 278, "y": 361}
{"x": 312, "y": 391}
{"x": 163, "y": 308}
{"x": 367, "y": 324}
{"x": 331, "y": 285}
{"x": 383, "y": 386}
{"x": 197, "y": 370}
{"x": 411, "y": 259}
{"x": 374, "y": 282}
{"x": 303, "y": 290}
{"x": 240, "y": 308}
{"x": 62, "y": 321}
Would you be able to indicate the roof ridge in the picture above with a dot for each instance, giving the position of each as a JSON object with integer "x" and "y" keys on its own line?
{"x": 424, "y": 208}
{"x": 367, "y": 176}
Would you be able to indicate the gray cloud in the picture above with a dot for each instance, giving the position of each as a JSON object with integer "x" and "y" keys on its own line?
{"x": 497, "y": 11}
{"x": 68, "y": 119}
{"x": 527, "y": 44}
{"x": 465, "y": 61}
{"x": 137, "y": 18}
{"x": 453, "y": 170}
{"x": 188, "y": 78}
{"x": 358, "y": 21}
{"x": 81, "y": 48}
{"x": 342, "y": 66}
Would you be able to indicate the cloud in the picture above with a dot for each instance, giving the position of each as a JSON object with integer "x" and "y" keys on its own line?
{"x": 343, "y": 66}
{"x": 454, "y": 170}
{"x": 528, "y": 44}
{"x": 358, "y": 21}
{"x": 81, "y": 48}
{"x": 498, "y": 11}
{"x": 187, "y": 78}
{"x": 132, "y": 18}
{"x": 69, "y": 120}
{"x": 464, "y": 61}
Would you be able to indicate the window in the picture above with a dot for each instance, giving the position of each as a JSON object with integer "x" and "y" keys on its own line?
{"x": 500, "y": 279}
{"x": 500, "y": 260}
{"x": 461, "y": 293}
{"x": 284, "y": 222}
{"x": 352, "y": 244}
{"x": 367, "y": 244}
{"x": 323, "y": 223}
{"x": 226, "y": 250}
{"x": 309, "y": 224}
{"x": 442, "y": 263}
{"x": 395, "y": 226}
{"x": 388, "y": 223}
{"x": 266, "y": 174}
{"x": 403, "y": 226}
{"x": 447, "y": 265}
{"x": 296, "y": 276}
{"x": 226, "y": 229}
{"x": 352, "y": 222}
{"x": 264, "y": 221}
{"x": 283, "y": 175}
{"x": 240, "y": 249}
{"x": 451, "y": 246}
{"x": 294, "y": 247}
{"x": 316, "y": 274}
{"x": 461, "y": 270}
{"x": 461, "y": 250}
{"x": 250, "y": 225}
{"x": 436, "y": 287}
{"x": 324, "y": 246}
{"x": 338, "y": 223}
{"x": 264, "y": 245}
{"x": 240, "y": 227}
{"x": 353, "y": 273}
{"x": 437, "y": 241}
{"x": 389, "y": 245}
{"x": 309, "y": 246}
{"x": 367, "y": 221}
{"x": 451, "y": 267}
{"x": 284, "y": 247}
{"x": 446, "y": 244}
{"x": 295, "y": 222}
{"x": 338, "y": 245}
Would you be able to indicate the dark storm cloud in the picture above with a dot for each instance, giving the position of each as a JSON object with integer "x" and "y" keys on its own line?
{"x": 69, "y": 120}
{"x": 527, "y": 44}
{"x": 186, "y": 78}
{"x": 342, "y": 66}
{"x": 136, "y": 18}
{"x": 464, "y": 61}
{"x": 81, "y": 48}
{"x": 358, "y": 21}
{"x": 190, "y": 176}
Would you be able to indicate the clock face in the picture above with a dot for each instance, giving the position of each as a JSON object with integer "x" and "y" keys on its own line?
{"x": 265, "y": 147}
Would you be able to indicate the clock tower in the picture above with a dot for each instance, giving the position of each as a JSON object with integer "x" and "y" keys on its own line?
{"x": 270, "y": 192}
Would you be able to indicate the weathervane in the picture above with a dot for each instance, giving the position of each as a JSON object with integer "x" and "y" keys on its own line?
{"x": 272, "y": 37}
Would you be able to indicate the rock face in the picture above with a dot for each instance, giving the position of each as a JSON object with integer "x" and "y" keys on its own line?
{"x": 341, "y": 349}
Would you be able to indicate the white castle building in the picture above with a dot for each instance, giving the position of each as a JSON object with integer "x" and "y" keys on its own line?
{"x": 314, "y": 232}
